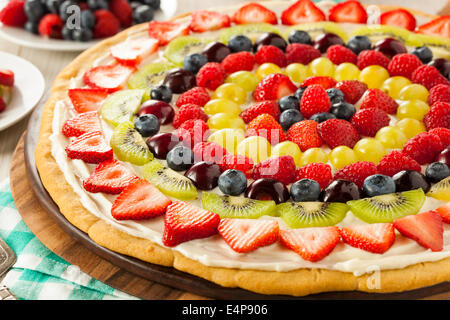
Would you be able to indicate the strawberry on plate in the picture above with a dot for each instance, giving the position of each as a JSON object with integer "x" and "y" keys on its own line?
{"x": 6, "y": 78}
{"x": 375, "y": 238}
{"x": 437, "y": 27}
{"x": 166, "y": 31}
{"x": 312, "y": 244}
{"x": 314, "y": 100}
{"x": 338, "y": 132}
{"x": 302, "y": 11}
{"x": 184, "y": 222}
{"x": 444, "y": 212}
{"x": 138, "y": 201}
{"x": 133, "y": 51}
{"x": 273, "y": 87}
{"x": 348, "y": 11}
{"x": 205, "y": 20}
{"x": 254, "y": 110}
{"x": 90, "y": 147}
{"x": 266, "y": 126}
{"x": 85, "y": 100}
{"x": 246, "y": 235}
{"x": 304, "y": 134}
{"x": 376, "y": 98}
{"x": 108, "y": 77}
{"x": 425, "y": 228}
{"x": 254, "y": 13}
{"x": 110, "y": 177}
{"x": 81, "y": 124}
{"x": 399, "y": 18}
{"x": 279, "y": 168}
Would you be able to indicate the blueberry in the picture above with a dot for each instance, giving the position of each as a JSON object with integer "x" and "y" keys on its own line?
{"x": 343, "y": 110}
{"x": 180, "y": 158}
{"x": 97, "y": 4}
{"x": 147, "y": 125}
{"x": 154, "y": 4}
{"x": 232, "y": 182}
{"x": 359, "y": 43}
{"x": 289, "y": 117}
{"x": 305, "y": 190}
{"x": 437, "y": 171}
{"x": 288, "y": 102}
{"x": 67, "y": 33}
{"x": 64, "y": 11}
{"x": 322, "y": 116}
{"x": 87, "y": 19}
{"x": 335, "y": 95}
{"x": 82, "y": 35}
{"x": 378, "y": 184}
{"x": 34, "y": 10}
{"x": 299, "y": 93}
{"x": 299, "y": 36}
{"x": 32, "y": 27}
{"x": 240, "y": 43}
{"x": 135, "y": 4}
{"x": 194, "y": 62}
{"x": 143, "y": 14}
{"x": 53, "y": 5}
{"x": 423, "y": 53}
{"x": 161, "y": 93}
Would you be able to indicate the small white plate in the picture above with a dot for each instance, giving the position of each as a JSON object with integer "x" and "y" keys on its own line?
{"x": 28, "y": 89}
{"x": 23, "y": 38}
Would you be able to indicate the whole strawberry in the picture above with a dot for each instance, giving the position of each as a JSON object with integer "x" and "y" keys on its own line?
{"x": 368, "y": 121}
{"x": 320, "y": 172}
{"x": 375, "y": 98}
{"x": 356, "y": 172}
{"x": 325, "y": 82}
{"x": 266, "y": 126}
{"x": 239, "y": 61}
{"x": 314, "y": 100}
{"x": 254, "y": 110}
{"x": 13, "y": 14}
{"x": 423, "y": 148}
{"x": 353, "y": 90}
{"x": 271, "y": 54}
{"x": 279, "y": 168}
{"x": 338, "y": 132}
{"x": 304, "y": 134}
{"x": 339, "y": 54}
{"x": 403, "y": 64}
{"x": 237, "y": 162}
{"x": 301, "y": 53}
{"x": 273, "y": 87}
{"x": 396, "y": 161}
{"x": 371, "y": 57}
{"x": 438, "y": 116}
{"x": 439, "y": 93}
{"x": 428, "y": 76}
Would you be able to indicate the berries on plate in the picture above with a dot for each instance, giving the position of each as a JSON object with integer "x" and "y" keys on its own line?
{"x": 209, "y": 151}
{"x": 423, "y": 148}
{"x": 320, "y": 172}
{"x": 437, "y": 171}
{"x": 187, "y": 112}
{"x": 428, "y": 76}
{"x": 404, "y": 65}
{"x": 375, "y": 238}
{"x": 302, "y": 11}
{"x": 305, "y": 135}
{"x": 301, "y": 53}
{"x": 378, "y": 184}
{"x": 232, "y": 182}
{"x": 180, "y": 158}
{"x": 396, "y": 161}
{"x": 439, "y": 93}
{"x": 338, "y": 132}
{"x": 194, "y": 62}
{"x": 193, "y": 131}
{"x": 239, "y": 61}
{"x": 90, "y": 147}
{"x": 147, "y": 125}
{"x": 289, "y": 117}
{"x": 211, "y": 75}
{"x": 237, "y": 162}
{"x": 369, "y": 120}
{"x": 274, "y": 87}
{"x": 280, "y": 168}
{"x": 106, "y": 25}
{"x": 314, "y": 100}
{"x": 339, "y": 54}
{"x": 305, "y": 190}
{"x": 197, "y": 95}
{"x": 324, "y": 81}
{"x": 205, "y": 20}
{"x": 356, "y": 172}
{"x": 13, "y": 14}
{"x": 254, "y": 13}
{"x": 51, "y": 26}
{"x": 443, "y": 134}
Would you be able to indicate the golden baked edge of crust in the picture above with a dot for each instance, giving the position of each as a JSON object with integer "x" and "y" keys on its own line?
{"x": 296, "y": 283}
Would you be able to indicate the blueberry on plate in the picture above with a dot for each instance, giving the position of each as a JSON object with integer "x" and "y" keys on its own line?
{"x": 34, "y": 10}
{"x": 180, "y": 158}
{"x": 378, "y": 184}
{"x": 161, "y": 93}
{"x": 32, "y": 27}
{"x": 154, "y": 4}
{"x": 289, "y": 117}
{"x": 240, "y": 43}
{"x": 67, "y": 33}
{"x": 437, "y": 171}
{"x": 82, "y": 35}
{"x": 64, "y": 11}
{"x": 322, "y": 116}
{"x": 143, "y": 14}
{"x": 343, "y": 110}
{"x": 97, "y": 4}
{"x": 147, "y": 125}
{"x": 288, "y": 102}
{"x": 87, "y": 19}
{"x": 299, "y": 36}
{"x": 335, "y": 95}
{"x": 305, "y": 190}
{"x": 423, "y": 53}
{"x": 53, "y": 5}
{"x": 232, "y": 182}
{"x": 194, "y": 62}
{"x": 359, "y": 43}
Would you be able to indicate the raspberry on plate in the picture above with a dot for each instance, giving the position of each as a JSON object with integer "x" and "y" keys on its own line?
{"x": 314, "y": 100}
{"x": 439, "y": 93}
{"x": 438, "y": 116}
{"x": 339, "y": 54}
{"x": 239, "y": 61}
{"x": 356, "y": 172}
{"x": 338, "y": 132}
{"x": 368, "y": 121}
{"x": 273, "y": 87}
{"x": 371, "y": 57}
{"x": 187, "y": 112}
{"x": 396, "y": 161}
{"x": 266, "y": 126}
{"x": 428, "y": 76}
{"x": 193, "y": 131}
{"x": 254, "y": 110}
{"x": 237, "y": 162}
{"x": 196, "y": 95}
{"x": 423, "y": 148}
{"x": 376, "y": 98}
{"x": 271, "y": 54}
{"x": 123, "y": 12}
{"x": 13, "y": 14}
{"x": 305, "y": 135}
{"x": 279, "y": 168}
{"x": 211, "y": 75}
{"x": 320, "y": 172}
{"x": 106, "y": 24}
{"x": 51, "y": 26}
{"x": 301, "y": 53}
{"x": 353, "y": 90}
{"x": 209, "y": 151}
{"x": 403, "y": 64}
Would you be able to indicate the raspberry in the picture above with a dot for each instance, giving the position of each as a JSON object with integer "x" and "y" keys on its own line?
{"x": 193, "y": 131}
{"x": 314, "y": 100}
{"x": 423, "y": 148}
{"x": 338, "y": 132}
{"x": 254, "y": 110}
{"x": 339, "y": 54}
{"x": 396, "y": 161}
{"x": 301, "y": 53}
{"x": 439, "y": 93}
{"x": 211, "y": 75}
{"x": 106, "y": 24}
{"x": 325, "y": 82}
{"x": 356, "y": 172}
{"x": 209, "y": 151}
{"x": 403, "y": 64}
{"x": 13, "y": 14}
{"x": 51, "y": 26}
{"x": 123, "y": 12}
{"x": 279, "y": 168}
{"x": 187, "y": 112}
{"x": 428, "y": 76}
{"x": 353, "y": 90}
{"x": 197, "y": 95}
{"x": 371, "y": 57}
{"x": 320, "y": 172}
{"x": 443, "y": 134}
{"x": 273, "y": 87}
{"x": 375, "y": 98}
{"x": 438, "y": 116}
{"x": 271, "y": 54}
{"x": 238, "y": 61}
{"x": 238, "y": 162}
{"x": 368, "y": 121}
{"x": 304, "y": 134}
{"x": 266, "y": 126}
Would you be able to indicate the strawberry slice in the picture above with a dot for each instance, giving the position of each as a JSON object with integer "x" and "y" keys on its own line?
{"x": 398, "y": 18}
{"x": 110, "y": 77}
{"x": 133, "y": 51}
{"x": 81, "y": 124}
{"x": 444, "y": 212}
{"x": 184, "y": 222}
{"x": 90, "y": 147}
{"x": 204, "y": 20}
{"x": 6, "y": 78}
{"x": 138, "y": 201}
{"x": 254, "y": 13}
{"x": 375, "y": 238}
{"x": 109, "y": 177}
{"x": 437, "y": 27}
{"x": 425, "y": 228}
{"x": 273, "y": 87}
{"x": 85, "y": 100}
{"x": 166, "y": 31}
{"x": 348, "y": 11}
{"x": 246, "y": 235}
{"x": 312, "y": 244}
{"x": 2, "y": 104}
{"x": 302, "y": 11}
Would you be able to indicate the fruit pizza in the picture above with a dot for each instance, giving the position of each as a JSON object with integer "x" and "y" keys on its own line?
{"x": 281, "y": 147}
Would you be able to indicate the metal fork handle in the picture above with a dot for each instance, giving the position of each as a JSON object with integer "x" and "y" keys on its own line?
{"x": 5, "y": 294}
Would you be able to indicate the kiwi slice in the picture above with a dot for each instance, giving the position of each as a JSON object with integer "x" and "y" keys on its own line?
{"x": 150, "y": 75}
{"x": 237, "y": 207}
{"x": 441, "y": 190}
{"x": 312, "y": 214}
{"x": 251, "y": 30}
{"x": 377, "y": 32}
{"x": 316, "y": 28}
{"x": 128, "y": 145}
{"x": 181, "y": 47}
{"x": 169, "y": 182}
{"x": 388, "y": 207}
{"x": 121, "y": 106}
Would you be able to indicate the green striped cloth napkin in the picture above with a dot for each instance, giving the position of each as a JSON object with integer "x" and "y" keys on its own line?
{"x": 39, "y": 274}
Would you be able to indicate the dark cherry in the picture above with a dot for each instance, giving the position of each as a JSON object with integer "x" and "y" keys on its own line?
{"x": 204, "y": 174}
{"x": 443, "y": 66}
{"x": 160, "y": 144}
{"x": 390, "y": 47}
{"x": 179, "y": 80}
{"x": 216, "y": 51}
{"x": 270, "y": 39}
{"x": 325, "y": 40}
{"x": 341, "y": 191}
{"x": 162, "y": 110}
{"x": 409, "y": 180}
{"x": 267, "y": 189}
{"x": 444, "y": 156}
